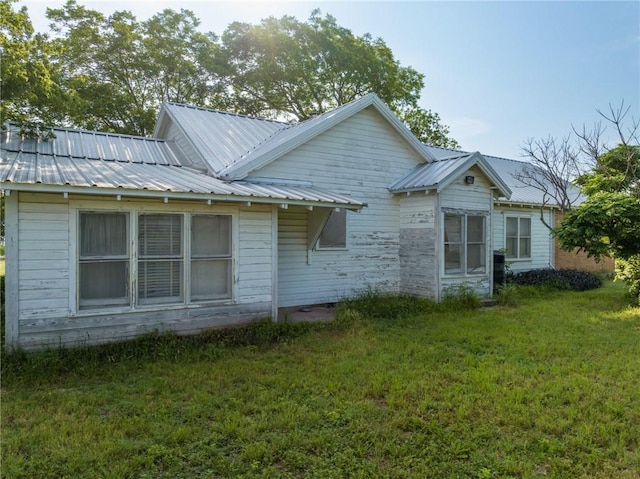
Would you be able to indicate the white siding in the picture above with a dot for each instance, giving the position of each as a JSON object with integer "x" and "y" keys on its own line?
{"x": 418, "y": 245}
{"x": 360, "y": 157}
{"x": 46, "y": 273}
{"x": 470, "y": 199}
{"x": 43, "y": 256}
{"x": 541, "y": 240}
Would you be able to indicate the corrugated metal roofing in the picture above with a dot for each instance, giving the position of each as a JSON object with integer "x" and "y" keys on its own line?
{"x": 222, "y": 138}
{"x": 26, "y": 163}
{"x": 506, "y": 169}
{"x": 93, "y": 145}
{"x": 430, "y": 175}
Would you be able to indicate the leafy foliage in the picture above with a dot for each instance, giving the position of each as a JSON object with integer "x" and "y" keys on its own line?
{"x": 111, "y": 73}
{"x": 605, "y": 224}
{"x": 617, "y": 170}
{"x": 29, "y": 78}
{"x": 556, "y": 279}
{"x": 118, "y": 70}
{"x": 628, "y": 270}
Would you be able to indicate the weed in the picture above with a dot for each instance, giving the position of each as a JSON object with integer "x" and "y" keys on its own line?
{"x": 460, "y": 297}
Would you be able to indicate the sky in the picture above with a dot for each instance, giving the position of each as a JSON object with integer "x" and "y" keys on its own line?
{"x": 497, "y": 73}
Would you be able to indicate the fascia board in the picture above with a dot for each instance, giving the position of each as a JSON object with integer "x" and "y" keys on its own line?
{"x": 476, "y": 159}
{"x": 133, "y": 193}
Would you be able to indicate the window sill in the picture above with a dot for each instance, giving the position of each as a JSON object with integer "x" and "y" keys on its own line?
{"x": 330, "y": 249}
{"x": 149, "y": 308}
{"x": 517, "y": 260}
{"x": 461, "y": 275}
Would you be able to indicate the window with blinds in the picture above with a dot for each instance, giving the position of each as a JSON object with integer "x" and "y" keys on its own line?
{"x": 180, "y": 258}
{"x": 160, "y": 258}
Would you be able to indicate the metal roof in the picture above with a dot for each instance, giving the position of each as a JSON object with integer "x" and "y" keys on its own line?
{"x": 438, "y": 174}
{"x": 93, "y": 145}
{"x": 45, "y": 166}
{"x": 506, "y": 169}
{"x": 221, "y": 138}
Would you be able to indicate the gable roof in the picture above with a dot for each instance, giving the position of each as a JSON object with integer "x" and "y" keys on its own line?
{"x": 439, "y": 174}
{"x": 286, "y": 140}
{"x": 93, "y": 163}
{"x": 220, "y": 138}
{"x": 506, "y": 168}
{"x": 234, "y": 145}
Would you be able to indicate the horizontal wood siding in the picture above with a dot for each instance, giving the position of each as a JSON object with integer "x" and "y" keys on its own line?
{"x": 43, "y": 257}
{"x": 359, "y": 157}
{"x": 541, "y": 240}
{"x": 418, "y": 237}
{"x": 476, "y": 198}
{"x": 45, "y": 279}
{"x": 255, "y": 271}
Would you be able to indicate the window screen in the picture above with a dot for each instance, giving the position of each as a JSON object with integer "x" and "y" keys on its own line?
{"x": 210, "y": 257}
{"x": 103, "y": 272}
{"x": 334, "y": 233}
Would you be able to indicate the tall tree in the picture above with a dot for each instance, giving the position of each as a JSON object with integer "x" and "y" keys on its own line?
{"x": 282, "y": 67}
{"x": 119, "y": 70}
{"x": 607, "y": 222}
{"x": 29, "y": 79}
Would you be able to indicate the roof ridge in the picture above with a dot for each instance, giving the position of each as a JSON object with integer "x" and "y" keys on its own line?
{"x": 228, "y": 113}
{"x": 93, "y": 132}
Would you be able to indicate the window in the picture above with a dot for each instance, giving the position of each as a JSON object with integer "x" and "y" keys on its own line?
{"x": 518, "y": 237}
{"x": 464, "y": 244}
{"x": 210, "y": 257}
{"x": 179, "y": 259}
{"x": 103, "y": 269}
{"x": 160, "y": 258}
{"x": 334, "y": 233}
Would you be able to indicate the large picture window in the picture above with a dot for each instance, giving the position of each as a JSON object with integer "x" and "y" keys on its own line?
{"x": 464, "y": 244}
{"x": 518, "y": 237}
{"x": 179, "y": 258}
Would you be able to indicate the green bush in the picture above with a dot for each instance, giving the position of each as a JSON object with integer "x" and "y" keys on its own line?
{"x": 568, "y": 279}
{"x": 629, "y": 271}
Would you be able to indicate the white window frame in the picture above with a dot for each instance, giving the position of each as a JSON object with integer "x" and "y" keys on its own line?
{"x": 517, "y": 256}
{"x": 344, "y": 247}
{"x": 93, "y": 304}
{"x": 77, "y": 207}
{"x": 464, "y": 243}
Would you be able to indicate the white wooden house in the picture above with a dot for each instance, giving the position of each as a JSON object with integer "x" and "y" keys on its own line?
{"x": 220, "y": 219}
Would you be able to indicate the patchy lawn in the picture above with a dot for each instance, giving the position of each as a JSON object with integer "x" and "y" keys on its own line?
{"x": 548, "y": 389}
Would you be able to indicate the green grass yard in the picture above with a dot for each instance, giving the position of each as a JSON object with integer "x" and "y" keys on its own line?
{"x": 548, "y": 389}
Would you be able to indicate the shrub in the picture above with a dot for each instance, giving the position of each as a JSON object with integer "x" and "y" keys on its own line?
{"x": 569, "y": 279}
{"x": 628, "y": 270}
